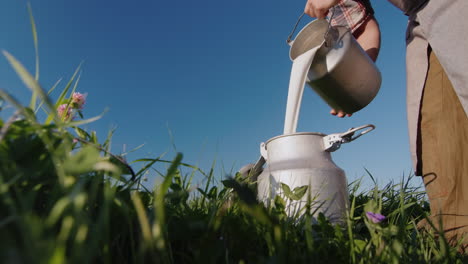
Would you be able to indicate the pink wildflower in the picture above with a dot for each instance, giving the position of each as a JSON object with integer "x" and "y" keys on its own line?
{"x": 78, "y": 100}
{"x": 61, "y": 111}
{"x": 375, "y": 217}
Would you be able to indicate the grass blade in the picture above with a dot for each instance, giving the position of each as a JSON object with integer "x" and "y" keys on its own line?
{"x": 82, "y": 122}
{"x": 36, "y": 50}
{"x": 159, "y": 228}
{"x": 17, "y": 105}
{"x": 31, "y": 83}
{"x": 168, "y": 161}
{"x": 67, "y": 87}
{"x": 76, "y": 84}
{"x": 48, "y": 93}
{"x": 142, "y": 218}
{"x": 64, "y": 92}
{"x": 36, "y": 43}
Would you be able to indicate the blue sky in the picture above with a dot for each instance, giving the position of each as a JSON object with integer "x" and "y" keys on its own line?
{"x": 214, "y": 73}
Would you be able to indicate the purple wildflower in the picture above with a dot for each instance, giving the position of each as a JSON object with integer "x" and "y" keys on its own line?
{"x": 375, "y": 217}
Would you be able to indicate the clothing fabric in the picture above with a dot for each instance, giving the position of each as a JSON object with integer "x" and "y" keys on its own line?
{"x": 444, "y": 153}
{"x": 437, "y": 105}
{"x": 437, "y": 108}
{"x": 408, "y": 6}
{"x": 351, "y": 13}
{"x": 435, "y": 23}
{"x": 431, "y": 22}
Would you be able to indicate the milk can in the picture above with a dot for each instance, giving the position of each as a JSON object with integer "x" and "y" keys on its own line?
{"x": 303, "y": 161}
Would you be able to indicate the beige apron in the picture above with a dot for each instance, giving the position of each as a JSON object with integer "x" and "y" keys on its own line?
{"x": 442, "y": 25}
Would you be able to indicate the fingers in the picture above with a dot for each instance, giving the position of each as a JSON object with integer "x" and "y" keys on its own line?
{"x": 319, "y": 8}
{"x": 313, "y": 11}
{"x": 340, "y": 114}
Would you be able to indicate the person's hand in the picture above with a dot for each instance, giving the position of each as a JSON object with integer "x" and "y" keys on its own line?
{"x": 319, "y": 8}
{"x": 339, "y": 113}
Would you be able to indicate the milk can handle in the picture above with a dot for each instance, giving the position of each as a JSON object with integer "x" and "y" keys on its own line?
{"x": 349, "y": 136}
{"x": 289, "y": 40}
{"x": 263, "y": 150}
{"x": 333, "y": 142}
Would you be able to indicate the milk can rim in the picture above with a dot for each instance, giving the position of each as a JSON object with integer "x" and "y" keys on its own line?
{"x": 295, "y": 134}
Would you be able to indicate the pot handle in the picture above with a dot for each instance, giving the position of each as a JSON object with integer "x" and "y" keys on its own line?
{"x": 327, "y": 41}
{"x": 333, "y": 142}
{"x": 289, "y": 40}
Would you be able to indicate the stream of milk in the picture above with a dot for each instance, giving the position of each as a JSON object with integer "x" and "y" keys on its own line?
{"x": 299, "y": 71}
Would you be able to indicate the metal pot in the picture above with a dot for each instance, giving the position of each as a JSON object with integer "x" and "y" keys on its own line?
{"x": 341, "y": 73}
{"x": 304, "y": 159}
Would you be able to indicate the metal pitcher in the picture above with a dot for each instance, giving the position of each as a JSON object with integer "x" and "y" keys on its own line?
{"x": 342, "y": 73}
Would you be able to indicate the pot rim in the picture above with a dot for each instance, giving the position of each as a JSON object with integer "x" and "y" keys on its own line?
{"x": 296, "y": 134}
{"x": 320, "y": 24}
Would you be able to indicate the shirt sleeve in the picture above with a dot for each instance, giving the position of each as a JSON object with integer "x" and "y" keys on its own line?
{"x": 351, "y": 13}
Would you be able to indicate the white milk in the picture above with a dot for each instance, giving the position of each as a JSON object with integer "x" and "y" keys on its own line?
{"x": 299, "y": 71}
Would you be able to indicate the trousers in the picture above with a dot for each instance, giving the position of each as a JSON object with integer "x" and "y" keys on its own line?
{"x": 444, "y": 154}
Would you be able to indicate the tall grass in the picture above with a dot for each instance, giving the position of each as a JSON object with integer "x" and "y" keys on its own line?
{"x": 65, "y": 198}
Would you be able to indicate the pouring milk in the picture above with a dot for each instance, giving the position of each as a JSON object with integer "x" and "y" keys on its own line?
{"x": 299, "y": 71}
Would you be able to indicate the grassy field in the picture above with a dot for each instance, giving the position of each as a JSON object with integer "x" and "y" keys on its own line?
{"x": 64, "y": 198}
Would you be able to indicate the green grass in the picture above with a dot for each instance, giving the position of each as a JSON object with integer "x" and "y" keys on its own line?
{"x": 66, "y": 201}
{"x": 65, "y": 198}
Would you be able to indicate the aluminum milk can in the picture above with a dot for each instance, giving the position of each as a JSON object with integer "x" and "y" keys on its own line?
{"x": 304, "y": 159}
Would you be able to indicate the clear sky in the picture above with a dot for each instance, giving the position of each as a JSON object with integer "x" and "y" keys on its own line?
{"x": 214, "y": 73}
